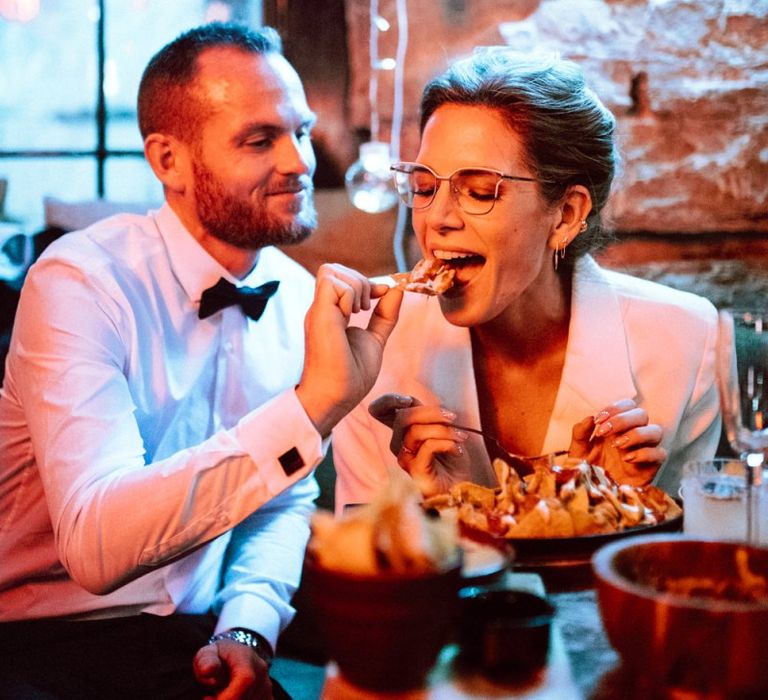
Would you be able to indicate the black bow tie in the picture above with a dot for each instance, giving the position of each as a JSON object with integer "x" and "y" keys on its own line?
{"x": 252, "y": 300}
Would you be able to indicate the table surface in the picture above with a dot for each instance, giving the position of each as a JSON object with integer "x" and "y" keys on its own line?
{"x": 595, "y": 668}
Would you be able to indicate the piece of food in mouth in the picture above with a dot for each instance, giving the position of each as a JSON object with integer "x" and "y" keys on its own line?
{"x": 429, "y": 277}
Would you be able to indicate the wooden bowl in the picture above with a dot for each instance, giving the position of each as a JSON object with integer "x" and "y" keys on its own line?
{"x": 699, "y": 641}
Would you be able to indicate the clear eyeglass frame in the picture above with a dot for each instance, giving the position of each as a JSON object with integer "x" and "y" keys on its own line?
{"x": 475, "y": 190}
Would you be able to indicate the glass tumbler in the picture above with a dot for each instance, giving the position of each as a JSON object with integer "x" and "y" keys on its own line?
{"x": 723, "y": 501}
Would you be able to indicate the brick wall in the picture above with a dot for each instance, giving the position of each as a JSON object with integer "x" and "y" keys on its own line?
{"x": 693, "y": 129}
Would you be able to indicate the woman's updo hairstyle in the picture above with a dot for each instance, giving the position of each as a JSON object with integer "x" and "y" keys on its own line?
{"x": 567, "y": 132}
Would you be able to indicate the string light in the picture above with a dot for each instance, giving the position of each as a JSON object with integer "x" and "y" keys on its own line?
{"x": 398, "y": 240}
{"x": 368, "y": 180}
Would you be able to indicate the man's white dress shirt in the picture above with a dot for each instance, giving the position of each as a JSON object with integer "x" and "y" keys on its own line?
{"x": 151, "y": 461}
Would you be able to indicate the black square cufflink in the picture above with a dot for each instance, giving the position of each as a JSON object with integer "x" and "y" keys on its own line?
{"x": 291, "y": 461}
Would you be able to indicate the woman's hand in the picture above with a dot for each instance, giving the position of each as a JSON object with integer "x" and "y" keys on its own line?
{"x": 621, "y": 439}
{"x": 424, "y": 441}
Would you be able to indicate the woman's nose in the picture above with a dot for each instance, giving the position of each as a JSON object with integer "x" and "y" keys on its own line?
{"x": 444, "y": 211}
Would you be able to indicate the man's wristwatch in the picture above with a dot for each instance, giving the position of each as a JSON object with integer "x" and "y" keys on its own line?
{"x": 250, "y": 638}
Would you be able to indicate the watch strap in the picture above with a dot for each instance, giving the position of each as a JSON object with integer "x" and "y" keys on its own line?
{"x": 250, "y": 639}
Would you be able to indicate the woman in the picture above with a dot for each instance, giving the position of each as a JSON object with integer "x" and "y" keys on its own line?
{"x": 535, "y": 343}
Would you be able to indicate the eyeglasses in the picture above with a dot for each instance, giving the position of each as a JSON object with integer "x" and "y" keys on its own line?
{"x": 475, "y": 190}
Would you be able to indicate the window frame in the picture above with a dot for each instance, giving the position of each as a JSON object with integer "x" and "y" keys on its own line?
{"x": 101, "y": 153}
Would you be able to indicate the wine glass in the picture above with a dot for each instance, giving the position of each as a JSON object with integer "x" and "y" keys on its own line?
{"x": 742, "y": 369}
{"x": 742, "y": 366}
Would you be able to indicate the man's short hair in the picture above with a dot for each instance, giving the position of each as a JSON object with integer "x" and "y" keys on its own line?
{"x": 165, "y": 103}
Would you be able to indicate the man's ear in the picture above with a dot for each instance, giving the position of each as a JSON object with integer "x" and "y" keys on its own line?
{"x": 170, "y": 160}
{"x": 571, "y": 217}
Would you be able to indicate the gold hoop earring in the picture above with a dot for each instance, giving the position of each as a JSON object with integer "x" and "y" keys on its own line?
{"x": 559, "y": 253}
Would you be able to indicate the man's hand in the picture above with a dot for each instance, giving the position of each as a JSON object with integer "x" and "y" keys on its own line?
{"x": 232, "y": 671}
{"x": 341, "y": 363}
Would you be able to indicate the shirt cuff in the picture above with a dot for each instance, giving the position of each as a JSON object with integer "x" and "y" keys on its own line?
{"x": 282, "y": 441}
{"x": 255, "y": 614}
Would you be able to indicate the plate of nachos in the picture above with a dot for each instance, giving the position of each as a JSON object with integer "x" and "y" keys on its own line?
{"x": 556, "y": 515}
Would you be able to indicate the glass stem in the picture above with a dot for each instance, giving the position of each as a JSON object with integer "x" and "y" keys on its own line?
{"x": 754, "y": 476}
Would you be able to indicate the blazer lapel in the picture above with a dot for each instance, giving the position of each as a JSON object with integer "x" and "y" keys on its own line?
{"x": 597, "y": 368}
{"x": 449, "y": 379}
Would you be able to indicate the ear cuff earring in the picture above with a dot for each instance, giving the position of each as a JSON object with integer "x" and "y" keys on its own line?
{"x": 559, "y": 253}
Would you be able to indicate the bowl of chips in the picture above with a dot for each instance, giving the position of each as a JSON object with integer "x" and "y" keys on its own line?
{"x": 383, "y": 583}
{"x": 687, "y": 615}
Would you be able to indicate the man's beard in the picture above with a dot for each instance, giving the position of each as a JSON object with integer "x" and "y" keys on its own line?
{"x": 244, "y": 223}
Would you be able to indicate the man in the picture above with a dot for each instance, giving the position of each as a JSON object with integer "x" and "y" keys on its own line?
{"x": 156, "y": 442}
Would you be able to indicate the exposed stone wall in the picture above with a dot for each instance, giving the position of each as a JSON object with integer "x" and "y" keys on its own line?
{"x": 687, "y": 79}
{"x": 734, "y": 283}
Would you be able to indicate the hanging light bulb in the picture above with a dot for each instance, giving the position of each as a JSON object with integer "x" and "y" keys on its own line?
{"x": 368, "y": 180}
{"x": 369, "y": 183}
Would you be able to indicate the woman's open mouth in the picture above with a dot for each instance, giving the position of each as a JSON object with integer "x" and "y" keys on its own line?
{"x": 466, "y": 265}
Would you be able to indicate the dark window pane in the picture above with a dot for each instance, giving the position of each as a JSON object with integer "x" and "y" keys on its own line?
{"x": 134, "y": 32}
{"x": 48, "y": 76}
{"x": 48, "y": 96}
{"x": 31, "y": 180}
{"x": 132, "y": 180}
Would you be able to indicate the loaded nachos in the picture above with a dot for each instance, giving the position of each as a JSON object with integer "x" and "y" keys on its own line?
{"x": 559, "y": 501}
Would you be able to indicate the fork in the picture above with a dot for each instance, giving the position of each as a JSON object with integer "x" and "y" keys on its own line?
{"x": 387, "y": 417}
{"x": 510, "y": 455}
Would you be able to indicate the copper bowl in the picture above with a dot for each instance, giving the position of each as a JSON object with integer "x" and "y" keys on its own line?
{"x": 696, "y": 642}
{"x": 385, "y": 632}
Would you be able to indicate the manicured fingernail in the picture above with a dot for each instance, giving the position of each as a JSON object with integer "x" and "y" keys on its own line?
{"x": 603, "y": 428}
{"x": 450, "y": 415}
{"x": 600, "y": 417}
{"x": 403, "y": 399}
{"x": 621, "y": 441}
{"x": 460, "y": 434}
{"x": 631, "y": 457}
